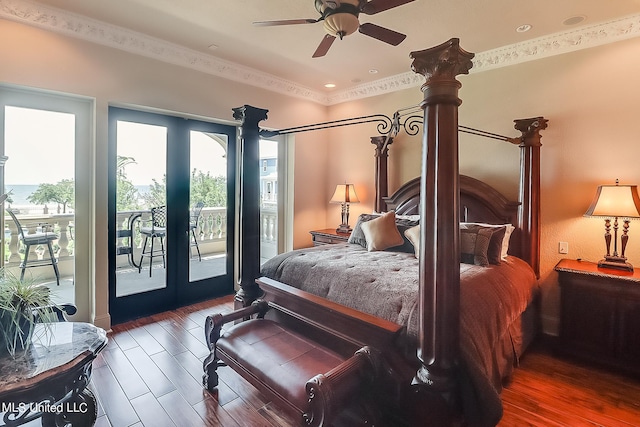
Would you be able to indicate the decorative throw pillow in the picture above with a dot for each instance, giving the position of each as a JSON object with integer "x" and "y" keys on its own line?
{"x": 357, "y": 235}
{"x": 382, "y": 233}
{"x": 505, "y": 239}
{"x": 494, "y": 252}
{"x": 415, "y": 218}
{"x": 413, "y": 234}
{"x": 474, "y": 245}
{"x": 403, "y": 225}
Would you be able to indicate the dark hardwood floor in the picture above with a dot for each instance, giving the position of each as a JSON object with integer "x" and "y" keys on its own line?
{"x": 150, "y": 375}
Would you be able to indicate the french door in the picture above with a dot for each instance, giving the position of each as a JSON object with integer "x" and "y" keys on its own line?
{"x": 46, "y": 151}
{"x": 171, "y": 212}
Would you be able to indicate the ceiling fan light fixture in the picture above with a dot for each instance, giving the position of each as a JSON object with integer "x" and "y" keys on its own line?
{"x": 340, "y": 19}
{"x": 341, "y": 24}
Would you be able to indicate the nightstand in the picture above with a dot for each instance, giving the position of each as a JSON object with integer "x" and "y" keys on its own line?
{"x": 328, "y": 236}
{"x": 600, "y": 314}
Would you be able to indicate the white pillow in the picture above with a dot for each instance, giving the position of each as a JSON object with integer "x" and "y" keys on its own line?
{"x": 413, "y": 234}
{"x": 382, "y": 233}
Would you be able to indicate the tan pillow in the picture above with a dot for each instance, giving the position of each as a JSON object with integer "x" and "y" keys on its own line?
{"x": 382, "y": 233}
{"x": 413, "y": 234}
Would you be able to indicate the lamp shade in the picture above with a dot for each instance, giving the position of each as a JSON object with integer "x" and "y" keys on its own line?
{"x": 345, "y": 193}
{"x": 615, "y": 201}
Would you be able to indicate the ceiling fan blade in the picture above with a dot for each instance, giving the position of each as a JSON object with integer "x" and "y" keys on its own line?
{"x": 383, "y": 34}
{"x": 324, "y": 46}
{"x": 286, "y": 22}
{"x": 375, "y": 6}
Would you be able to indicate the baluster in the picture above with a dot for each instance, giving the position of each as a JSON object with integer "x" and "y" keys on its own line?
{"x": 218, "y": 232}
{"x": 63, "y": 241}
{"x": 274, "y": 228}
{"x": 270, "y": 224}
{"x": 208, "y": 230}
{"x": 14, "y": 245}
{"x": 223, "y": 224}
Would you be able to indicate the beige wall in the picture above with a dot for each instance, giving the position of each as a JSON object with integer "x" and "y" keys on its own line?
{"x": 592, "y": 100}
{"x": 41, "y": 59}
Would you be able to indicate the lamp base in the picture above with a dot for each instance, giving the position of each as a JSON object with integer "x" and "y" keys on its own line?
{"x": 616, "y": 262}
{"x": 344, "y": 228}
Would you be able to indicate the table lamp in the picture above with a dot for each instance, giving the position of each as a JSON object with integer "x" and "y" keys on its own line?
{"x": 345, "y": 194}
{"x": 615, "y": 201}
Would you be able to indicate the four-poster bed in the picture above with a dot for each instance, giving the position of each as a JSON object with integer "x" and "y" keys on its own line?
{"x": 420, "y": 361}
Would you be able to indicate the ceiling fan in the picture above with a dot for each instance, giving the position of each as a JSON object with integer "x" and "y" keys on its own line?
{"x": 341, "y": 19}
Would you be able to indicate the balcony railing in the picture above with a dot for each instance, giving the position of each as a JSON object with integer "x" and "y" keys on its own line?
{"x": 210, "y": 232}
{"x": 61, "y": 224}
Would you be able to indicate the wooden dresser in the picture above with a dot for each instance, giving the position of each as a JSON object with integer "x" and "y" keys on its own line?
{"x": 600, "y": 314}
{"x": 328, "y": 236}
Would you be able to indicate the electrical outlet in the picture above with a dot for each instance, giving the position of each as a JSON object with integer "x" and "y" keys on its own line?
{"x": 563, "y": 247}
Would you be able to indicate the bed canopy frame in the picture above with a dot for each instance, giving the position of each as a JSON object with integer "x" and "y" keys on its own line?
{"x": 443, "y": 198}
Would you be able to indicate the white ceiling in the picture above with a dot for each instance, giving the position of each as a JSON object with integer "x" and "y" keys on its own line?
{"x": 285, "y": 51}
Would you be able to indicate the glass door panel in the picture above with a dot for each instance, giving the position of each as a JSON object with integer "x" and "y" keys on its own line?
{"x": 268, "y": 199}
{"x": 39, "y": 175}
{"x": 140, "y": 207}
{"x": 208, "y": 205}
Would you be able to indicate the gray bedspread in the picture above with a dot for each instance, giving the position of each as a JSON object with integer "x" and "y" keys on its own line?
{"x": 385, "y": 284}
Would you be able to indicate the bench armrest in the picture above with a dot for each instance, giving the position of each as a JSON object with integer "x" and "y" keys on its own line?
{"x": 213, "y": 324}
{"x": 328, "y": 392}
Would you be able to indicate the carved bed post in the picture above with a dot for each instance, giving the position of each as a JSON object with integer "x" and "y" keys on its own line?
{"x": 529, "y": 211}
{"x": 439, "y": 274}
{"x": 381, "y": 173}
{"x": 249, "y": 202}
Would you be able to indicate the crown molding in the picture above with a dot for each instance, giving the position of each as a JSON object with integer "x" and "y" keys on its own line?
{"x": 82, "y": 27}
{"x": 530, "y": 50}
{"x": 559, "y": 43}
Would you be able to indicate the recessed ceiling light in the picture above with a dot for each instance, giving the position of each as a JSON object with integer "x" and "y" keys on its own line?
{"x": 574, "y": 20}
{"x": 523, "y": 28}
{"x": 330, "y": 85}
{"x": 373, "y": 71}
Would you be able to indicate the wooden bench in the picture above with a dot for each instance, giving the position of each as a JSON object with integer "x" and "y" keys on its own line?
{"x": 313, "y": 382}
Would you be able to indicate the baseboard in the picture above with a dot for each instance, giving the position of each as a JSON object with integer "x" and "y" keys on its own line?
{"x": 103, "y": 322}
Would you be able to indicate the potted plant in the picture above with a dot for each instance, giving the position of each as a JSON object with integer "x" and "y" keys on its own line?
{"x": 22, "y": 302}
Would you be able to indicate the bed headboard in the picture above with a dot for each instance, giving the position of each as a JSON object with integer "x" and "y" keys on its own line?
{"x": 479, "y": 202}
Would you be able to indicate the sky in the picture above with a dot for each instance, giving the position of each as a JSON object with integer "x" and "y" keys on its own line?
{"x": 40, "y": 148}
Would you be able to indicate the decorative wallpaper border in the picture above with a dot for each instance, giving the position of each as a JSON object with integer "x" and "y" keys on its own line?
{"x": 82, "y": 27}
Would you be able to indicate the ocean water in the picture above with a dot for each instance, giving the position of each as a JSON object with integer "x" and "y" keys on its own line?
{"x": 20, "y": 193}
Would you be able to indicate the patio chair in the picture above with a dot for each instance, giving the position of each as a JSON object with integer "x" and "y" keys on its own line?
{"x": 34, "y": 239}
{"x": 156, "y": 230}
{"x": 193, "y": 225}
